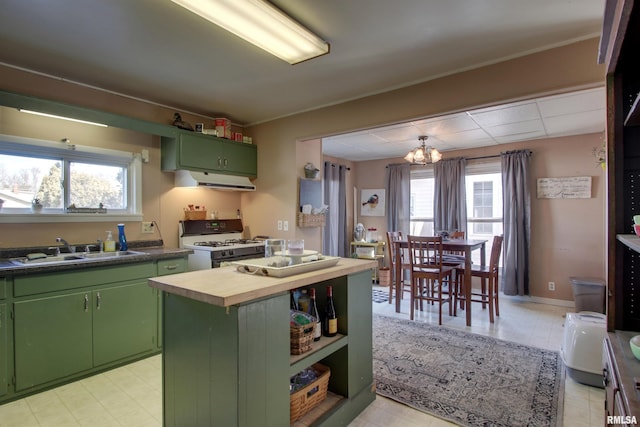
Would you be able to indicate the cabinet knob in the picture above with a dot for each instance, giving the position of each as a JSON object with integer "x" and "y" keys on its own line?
{"x": 98, "y": 301}
{"x": 86, "y": 303}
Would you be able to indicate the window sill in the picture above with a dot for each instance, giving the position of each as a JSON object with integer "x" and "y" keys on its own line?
{"x": 31, "y": 218}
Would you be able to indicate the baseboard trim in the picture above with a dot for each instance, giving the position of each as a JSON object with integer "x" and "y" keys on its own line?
{"x": 540, "y": 300}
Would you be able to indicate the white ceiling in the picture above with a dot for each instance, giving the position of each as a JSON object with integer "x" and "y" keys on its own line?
{"x": 158, "y": 51}
{"x": 574, "y": 113}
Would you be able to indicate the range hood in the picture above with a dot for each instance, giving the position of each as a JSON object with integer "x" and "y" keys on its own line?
{"x": 216, "y": 181}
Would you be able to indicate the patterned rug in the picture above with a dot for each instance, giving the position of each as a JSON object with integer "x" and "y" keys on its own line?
{"x": 469, "y": 379}
{"x": 379, "y": 295}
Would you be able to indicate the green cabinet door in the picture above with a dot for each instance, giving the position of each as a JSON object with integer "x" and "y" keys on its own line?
{"x": 240, "y": 158}
{"x": 4, "y": 351}
{"x": 206, "y": 153}
{"x": 124, "y": 321}
{"x": 52, "y": 338}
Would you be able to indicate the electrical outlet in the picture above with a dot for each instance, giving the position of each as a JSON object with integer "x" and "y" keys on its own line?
{"x": 280, "y": 224}
{"x": 552, "y": 286}
{"x": 285, "y": 225}
{"x": 146, "y": 227}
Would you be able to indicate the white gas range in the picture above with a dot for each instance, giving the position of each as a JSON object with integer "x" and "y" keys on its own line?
{"x": 215, "y": 241}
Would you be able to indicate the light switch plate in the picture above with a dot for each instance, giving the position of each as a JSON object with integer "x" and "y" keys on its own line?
{"x": 285, "y": 225}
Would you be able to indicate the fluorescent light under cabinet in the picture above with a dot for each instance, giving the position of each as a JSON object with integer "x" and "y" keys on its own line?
{"x": 37, "y": 113}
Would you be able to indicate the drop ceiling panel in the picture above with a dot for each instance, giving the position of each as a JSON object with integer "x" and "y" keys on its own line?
{"x": 574, "y": 124}
{"x": 518, "y": 128}
{"x": 506, "y": 114}
{"x": 589, "y": 100}
{"x": 447, "y": 124}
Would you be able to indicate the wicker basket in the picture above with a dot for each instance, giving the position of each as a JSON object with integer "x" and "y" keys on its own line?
{"x": 191, "y": 215}
{"x": 311, "y": 220}
{"x": 301, "y": 337}
{"x": 311, "y": 173}
{"x": 304, "y": 400}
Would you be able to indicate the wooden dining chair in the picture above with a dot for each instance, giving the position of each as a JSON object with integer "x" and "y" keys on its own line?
{"x": 488, "y": 274}
{"x": 405, "y": 265}
{"x": 429, "y": 277}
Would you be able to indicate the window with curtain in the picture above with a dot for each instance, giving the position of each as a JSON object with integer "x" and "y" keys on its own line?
{"x": 484, "y": 200}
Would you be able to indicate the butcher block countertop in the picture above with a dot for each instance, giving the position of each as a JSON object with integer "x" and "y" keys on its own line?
{"x": 226, "y": 286}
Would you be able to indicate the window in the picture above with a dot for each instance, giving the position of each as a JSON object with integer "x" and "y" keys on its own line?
{"x": 484, "y": 200}
{"x": 68, "y": 180}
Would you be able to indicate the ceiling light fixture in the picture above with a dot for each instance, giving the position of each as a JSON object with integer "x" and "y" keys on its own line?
{"x": 37, "y": 113}
{"x": 264, "y": 25}
{"x": 423, "y": 155}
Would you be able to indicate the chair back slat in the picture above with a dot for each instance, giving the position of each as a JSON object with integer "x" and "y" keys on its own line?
{"x": 425, "y": 252}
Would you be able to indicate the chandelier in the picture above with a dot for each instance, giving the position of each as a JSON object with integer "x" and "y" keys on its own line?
{"x": 423, "y": 155}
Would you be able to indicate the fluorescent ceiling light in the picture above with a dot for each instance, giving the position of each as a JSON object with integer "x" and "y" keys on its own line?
{"x": 37, "y": 113}
{"x": 262, "y": 24}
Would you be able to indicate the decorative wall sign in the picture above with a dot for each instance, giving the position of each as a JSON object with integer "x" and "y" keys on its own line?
{"x": 372, "y": 202}
{"x": 569, "y": 187}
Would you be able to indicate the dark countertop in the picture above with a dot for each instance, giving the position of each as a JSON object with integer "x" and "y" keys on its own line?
{"x": 147, "y": 253}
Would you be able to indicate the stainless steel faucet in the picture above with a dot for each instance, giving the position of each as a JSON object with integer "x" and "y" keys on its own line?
{"x": 71, "y": 249}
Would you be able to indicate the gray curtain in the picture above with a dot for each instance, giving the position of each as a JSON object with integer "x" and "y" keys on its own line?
{"x": 516, "y": 220}
{"x": 334, "y": 241}
{"x": 398, "y": 197}
{"x": 450, "y": 198}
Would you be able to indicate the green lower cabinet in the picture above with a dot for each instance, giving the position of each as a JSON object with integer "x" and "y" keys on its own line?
{"x": 59, "y": 336}
{"x": 53, "y": 338}
{"x": 124, "y": 322}
{"x": 4, "y": 350}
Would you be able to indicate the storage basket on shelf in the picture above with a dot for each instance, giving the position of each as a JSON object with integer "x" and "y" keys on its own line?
{"x": 192, "y": 215}
{"x": 310, "y": 220}
{"x": 301, "y": 335}
{"x": 307, "y": 398}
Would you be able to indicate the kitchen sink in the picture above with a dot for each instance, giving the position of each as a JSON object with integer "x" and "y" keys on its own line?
{"x": 74, "y": 258}
{"x": 48, "y": 260}
{"x": 109, "y": 255}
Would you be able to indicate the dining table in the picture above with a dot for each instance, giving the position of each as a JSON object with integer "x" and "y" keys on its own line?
{"x": 466, "y": 246}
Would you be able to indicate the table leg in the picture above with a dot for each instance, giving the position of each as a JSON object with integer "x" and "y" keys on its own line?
{"x": 398, "y": 278}
{"x": 467, "y": 284}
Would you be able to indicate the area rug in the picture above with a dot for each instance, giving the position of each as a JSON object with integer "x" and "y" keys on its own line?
{"x": 468, "y": 379}
{"x": 379, "y": 295}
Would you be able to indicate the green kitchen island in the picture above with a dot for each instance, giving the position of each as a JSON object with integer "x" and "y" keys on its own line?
{"x": 226, "y": 353}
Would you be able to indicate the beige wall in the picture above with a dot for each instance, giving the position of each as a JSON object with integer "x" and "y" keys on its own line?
{"x": 285, "y": 145}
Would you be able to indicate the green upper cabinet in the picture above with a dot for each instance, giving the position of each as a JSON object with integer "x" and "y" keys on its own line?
{"x": 205, "y": 153}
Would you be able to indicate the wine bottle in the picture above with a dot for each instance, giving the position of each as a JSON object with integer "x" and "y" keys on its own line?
{"x": 313, "y": 310}
{"x": 330, "y": 322}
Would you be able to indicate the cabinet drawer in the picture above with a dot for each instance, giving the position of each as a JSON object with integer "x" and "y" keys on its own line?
{"x": 172, "y": 266}
{"x": 53, "y": 282}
